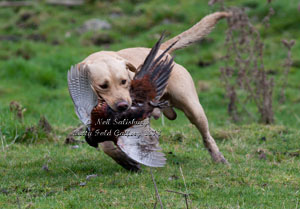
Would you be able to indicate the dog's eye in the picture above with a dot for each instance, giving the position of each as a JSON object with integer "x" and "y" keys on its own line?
{"x": 104, "y": 86}
{"x": 123, "y": 82}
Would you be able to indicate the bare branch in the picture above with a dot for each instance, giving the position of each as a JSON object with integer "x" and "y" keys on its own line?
{"x": 183, "y": 179}
{"x": 171, "y": 191}
{"x": 18, "y": 201}
{"x": 155, "y": 204}
{"x": 156, "y": 190}
{"x": 244, "y": 68}
{"x": 181, "y": 193}
{"x": 186, "y": 196}
{"x": 287, "y": 67}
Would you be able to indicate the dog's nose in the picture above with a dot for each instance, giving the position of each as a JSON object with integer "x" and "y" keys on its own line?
{"x": 122, "y": 106}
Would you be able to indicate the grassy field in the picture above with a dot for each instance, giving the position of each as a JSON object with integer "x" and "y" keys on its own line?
{"x": 39, "y": 43}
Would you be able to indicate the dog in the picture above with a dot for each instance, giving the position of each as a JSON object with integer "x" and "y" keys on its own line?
{"x": 110, "y": 74}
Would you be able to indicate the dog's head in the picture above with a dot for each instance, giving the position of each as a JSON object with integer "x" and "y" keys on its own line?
{"x": 110, "y": 79}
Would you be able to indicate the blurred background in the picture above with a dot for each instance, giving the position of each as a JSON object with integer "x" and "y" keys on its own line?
{"x": 40, "y": 40}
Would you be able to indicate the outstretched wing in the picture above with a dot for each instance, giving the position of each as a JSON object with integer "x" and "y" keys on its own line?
{"x": 80, "y": 90}
{"x": 141, "y": 144}
{"x": 156, "y": 72}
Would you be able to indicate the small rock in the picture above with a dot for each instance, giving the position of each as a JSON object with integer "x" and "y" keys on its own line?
{"x": 166, "y": 21}
{"x": 88, "y": 177}
{"x": 45, "y": 167}
{"x": 75, "y": 147}
{"x": 4, "y": 191}
{"x": 68, "y": 34}
{"x": 55, "y": 42}
{"x": 82, "y": 184}
{"x": 173, "y": 177}
{"x": 13, "y": 38}
{"x": 272, "y": 72}
{"x": 116, "y": 14}
{"x": 263, "y": 138}
{"x": 25, "y": 16}
{"x": 100, "y": 39}
{"x": 37, "y": 37}
{"x": 262, "y": 156}
{"x": 94, "y": 25}
{"x": 203, "y": 63}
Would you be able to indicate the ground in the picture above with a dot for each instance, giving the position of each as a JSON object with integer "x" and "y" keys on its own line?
{"x": 39, "y": 43}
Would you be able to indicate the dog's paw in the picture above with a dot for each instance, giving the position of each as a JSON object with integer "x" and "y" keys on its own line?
{"x": 219, "y": 158}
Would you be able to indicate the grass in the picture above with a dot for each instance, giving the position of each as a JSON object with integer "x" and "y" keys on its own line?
{"x": 264, "y": 171}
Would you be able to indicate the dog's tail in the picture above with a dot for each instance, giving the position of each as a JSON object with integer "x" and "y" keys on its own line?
{"x": 195, "y": 33}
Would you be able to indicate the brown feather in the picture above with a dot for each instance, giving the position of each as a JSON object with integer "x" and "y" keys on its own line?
{"x": 143, "y": 90}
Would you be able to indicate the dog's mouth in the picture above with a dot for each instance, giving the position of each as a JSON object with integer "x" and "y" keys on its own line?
{"x": 101, "y": 101}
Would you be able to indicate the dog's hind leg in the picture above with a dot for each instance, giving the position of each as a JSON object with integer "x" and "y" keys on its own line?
{"x": 182, "y": 94}
{"x": 196, "y": 114}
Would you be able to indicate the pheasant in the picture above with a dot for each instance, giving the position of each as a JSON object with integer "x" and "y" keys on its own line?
{"x": 130, "y": 130}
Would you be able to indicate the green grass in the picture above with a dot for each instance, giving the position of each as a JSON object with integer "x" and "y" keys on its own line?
{"x": 263, "y": 173}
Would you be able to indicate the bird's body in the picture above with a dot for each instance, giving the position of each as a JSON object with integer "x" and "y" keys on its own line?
{"x": 107, "y": 125}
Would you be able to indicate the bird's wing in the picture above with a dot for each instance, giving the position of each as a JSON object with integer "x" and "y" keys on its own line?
{"x": 119, "y": 156}
{"x": 141, "y": 144}
{"x": 156, "y": 70}
{"x": 83, "y": 96}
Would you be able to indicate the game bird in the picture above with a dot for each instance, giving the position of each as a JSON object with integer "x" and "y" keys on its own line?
{"x": 130, "y": 130}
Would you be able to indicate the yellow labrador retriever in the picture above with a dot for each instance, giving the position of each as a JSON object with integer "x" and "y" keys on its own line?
{"x": 111, "y": 73}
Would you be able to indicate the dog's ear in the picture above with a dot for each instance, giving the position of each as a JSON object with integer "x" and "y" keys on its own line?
{"x": 130, "y": 67}
{"x": 85, "y": 66}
